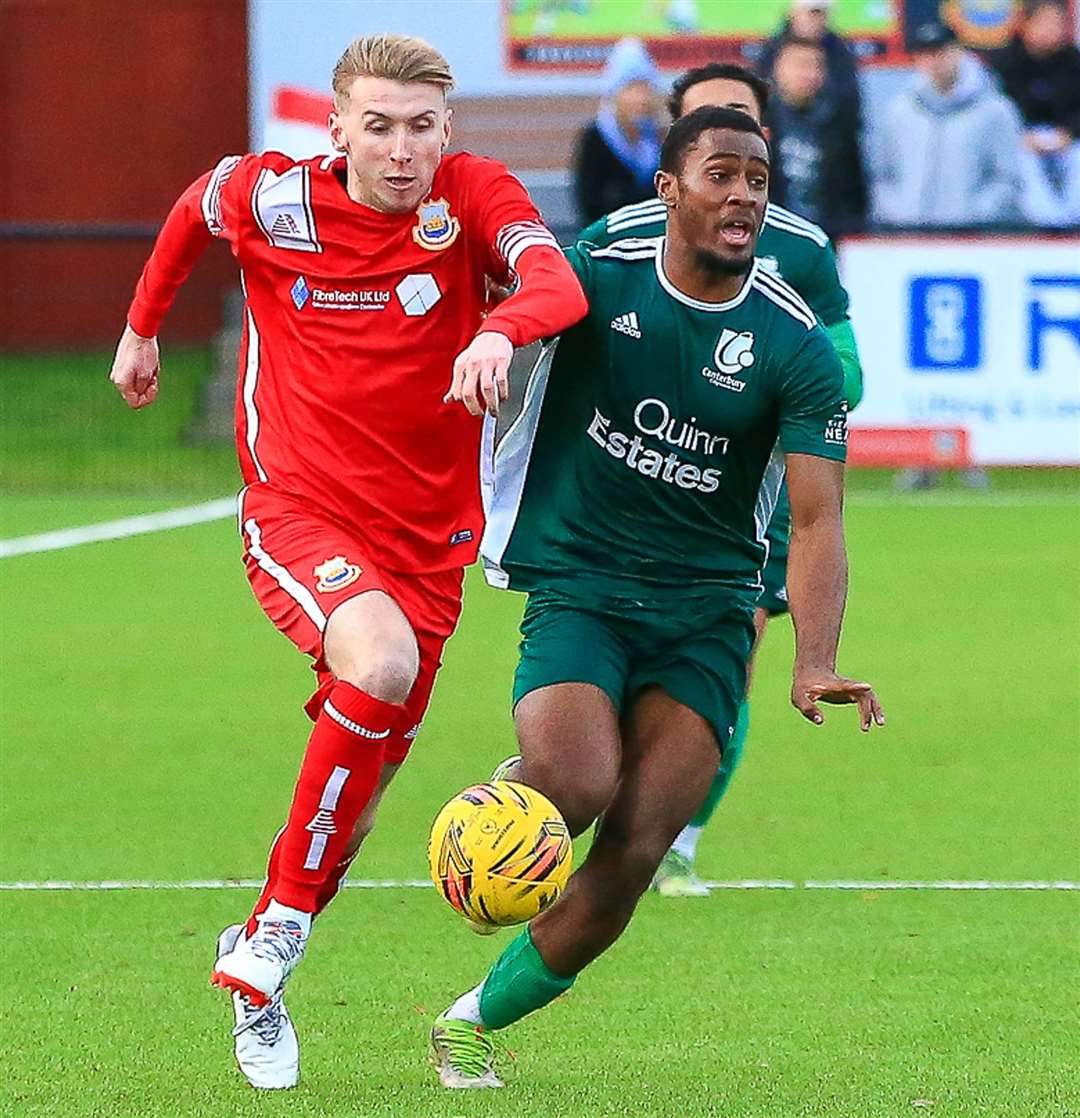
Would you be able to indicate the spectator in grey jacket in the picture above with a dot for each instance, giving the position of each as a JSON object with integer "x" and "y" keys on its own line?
{"x": 1040, "y": 71}
{"x": 947, "y": 148}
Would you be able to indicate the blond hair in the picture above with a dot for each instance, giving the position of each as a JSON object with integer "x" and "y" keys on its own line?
{"x": 399, "y": 58}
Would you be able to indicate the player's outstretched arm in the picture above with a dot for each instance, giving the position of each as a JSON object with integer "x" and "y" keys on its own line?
{"x": 135, "y": 369}
{"x": 817, "y": 591}
{"x": 193, "y": 222}
{"x": 549, "y": 299}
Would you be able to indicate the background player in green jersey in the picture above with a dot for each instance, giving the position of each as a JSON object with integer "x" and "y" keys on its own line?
{"x": 802, "y": 254}
{"x": 629, "y": 499}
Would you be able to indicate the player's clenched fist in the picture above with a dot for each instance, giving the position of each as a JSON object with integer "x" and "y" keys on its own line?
{"x": 481, "y": 373}
{"x": 135, "y": 369}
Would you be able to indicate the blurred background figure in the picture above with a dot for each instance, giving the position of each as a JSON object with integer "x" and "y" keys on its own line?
{"x": 809, "y": 20}
{"x": 616, "y": 156}
{"x": 1040, "y": 71}
{"x": 946, "y": 150}
{"x": 817, "y": 162}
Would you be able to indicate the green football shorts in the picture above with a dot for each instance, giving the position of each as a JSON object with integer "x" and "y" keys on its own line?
{"x": 696, "y": 647}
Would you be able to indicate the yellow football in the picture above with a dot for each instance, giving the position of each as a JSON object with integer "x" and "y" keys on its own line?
{"x": 500, "y": 853}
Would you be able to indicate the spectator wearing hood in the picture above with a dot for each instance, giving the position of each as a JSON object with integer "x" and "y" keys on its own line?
{"x": 808, "y": 20}
{"x": 1040, "y": 72}
{"x": 946, "y": 151}
{"x": 617, "y": 155}
{"x": 817, "y": 166}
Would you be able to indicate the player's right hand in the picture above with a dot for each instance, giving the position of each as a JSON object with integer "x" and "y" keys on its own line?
{"x": 822, "y": 685}
{"x": 135, "y": 369}
{"x": 481, "y": 373}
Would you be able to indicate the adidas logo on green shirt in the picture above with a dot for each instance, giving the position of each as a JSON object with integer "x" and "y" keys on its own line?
{"x": 627, "y": 324}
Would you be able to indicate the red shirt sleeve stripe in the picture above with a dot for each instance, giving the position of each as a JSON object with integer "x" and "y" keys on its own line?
{"x": 549, "y": 299}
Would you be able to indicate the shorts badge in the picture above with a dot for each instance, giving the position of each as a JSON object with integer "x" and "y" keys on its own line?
{"x": 336, "y": 574}
{"x": 435, "y": 228}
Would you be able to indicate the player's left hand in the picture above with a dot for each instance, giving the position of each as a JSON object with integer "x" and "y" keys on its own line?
{"x": 481, "y": 373}
{"x": 821, "y": 685}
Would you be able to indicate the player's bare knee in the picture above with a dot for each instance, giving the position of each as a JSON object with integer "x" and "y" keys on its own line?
{"x": 370, "y": 644}
{"x": 391, "y": 677}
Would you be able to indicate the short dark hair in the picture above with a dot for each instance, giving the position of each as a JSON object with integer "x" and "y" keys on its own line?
{"x": 714, "y": 71}
{"x": 687, "y": 129}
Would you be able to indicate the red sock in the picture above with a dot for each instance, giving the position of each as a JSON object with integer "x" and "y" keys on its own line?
{"x": 339, "y": 772}
{"x": 330, "y": 889}
{"x": 333, "y": 883}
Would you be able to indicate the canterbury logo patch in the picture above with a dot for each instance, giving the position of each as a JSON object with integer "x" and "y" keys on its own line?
{"x": 734, "y": 351}
{"x": 627, "y": 324}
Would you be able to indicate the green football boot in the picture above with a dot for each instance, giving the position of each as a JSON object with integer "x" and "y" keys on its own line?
{"x": 675, "y": 877}
{"x": 464, "y": 1054}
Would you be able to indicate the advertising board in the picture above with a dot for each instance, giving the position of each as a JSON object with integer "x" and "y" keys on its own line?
{"x": 971, "y": 348}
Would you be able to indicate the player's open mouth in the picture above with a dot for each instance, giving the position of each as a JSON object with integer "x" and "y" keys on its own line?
{"x": 400, "y": 182}
{"x": 736, "y": 233}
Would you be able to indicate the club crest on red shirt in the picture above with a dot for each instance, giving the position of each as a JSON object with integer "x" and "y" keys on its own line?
{"x": 335, "y": 574}
{"x": 436, "y": 228}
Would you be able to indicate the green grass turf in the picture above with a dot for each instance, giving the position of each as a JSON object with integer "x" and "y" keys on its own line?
{"x": 65, "y": 429}
{"x": 771, "y": 1006}
{"x": 150, "y": 728}
{"x": 649, "y": 17}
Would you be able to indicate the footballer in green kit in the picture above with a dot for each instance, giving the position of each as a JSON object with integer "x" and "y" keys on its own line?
{"x": 629, "y": 499}
{"x": 801, "y": 253}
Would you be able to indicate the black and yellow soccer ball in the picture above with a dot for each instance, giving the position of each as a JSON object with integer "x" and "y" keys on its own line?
{"x": 500, "y": 853}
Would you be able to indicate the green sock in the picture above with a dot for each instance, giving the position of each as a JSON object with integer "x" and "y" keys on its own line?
{"x": 728, "y": 764}
{"x": 518, "y": 983}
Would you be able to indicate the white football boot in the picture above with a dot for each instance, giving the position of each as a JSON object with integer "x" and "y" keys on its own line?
{"x": 259, "y": 966}
{"x": 265, "y": 1043}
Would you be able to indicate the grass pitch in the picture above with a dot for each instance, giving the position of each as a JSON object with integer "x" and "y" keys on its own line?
{"x": 151, "y": 728}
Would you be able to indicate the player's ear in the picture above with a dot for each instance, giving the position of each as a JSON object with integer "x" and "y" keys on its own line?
{"x": 447, "y": 122}
{"x": 337, "y": 132}
{"x": 667, "y": 188}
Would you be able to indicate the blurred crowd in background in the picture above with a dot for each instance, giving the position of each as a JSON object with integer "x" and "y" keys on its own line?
{"x": 976, "y": 139}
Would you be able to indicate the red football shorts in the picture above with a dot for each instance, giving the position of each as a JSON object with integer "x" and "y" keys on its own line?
{"x": 302, "y": 566}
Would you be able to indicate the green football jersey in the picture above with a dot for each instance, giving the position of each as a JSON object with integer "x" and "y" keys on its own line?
{"x": 649, "y": 446}
{"x": 802, "y": 254}
{"x": 797, "y": 249}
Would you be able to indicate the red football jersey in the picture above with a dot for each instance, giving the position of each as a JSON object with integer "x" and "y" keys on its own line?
{"x": 352, "y": 321}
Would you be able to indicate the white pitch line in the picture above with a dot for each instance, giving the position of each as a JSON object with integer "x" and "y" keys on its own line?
{"x": 220, "y": 883}
{"x": 220, "y": 509}
{"x": 945, "y": 886}
{"x": 747, "y": 884}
